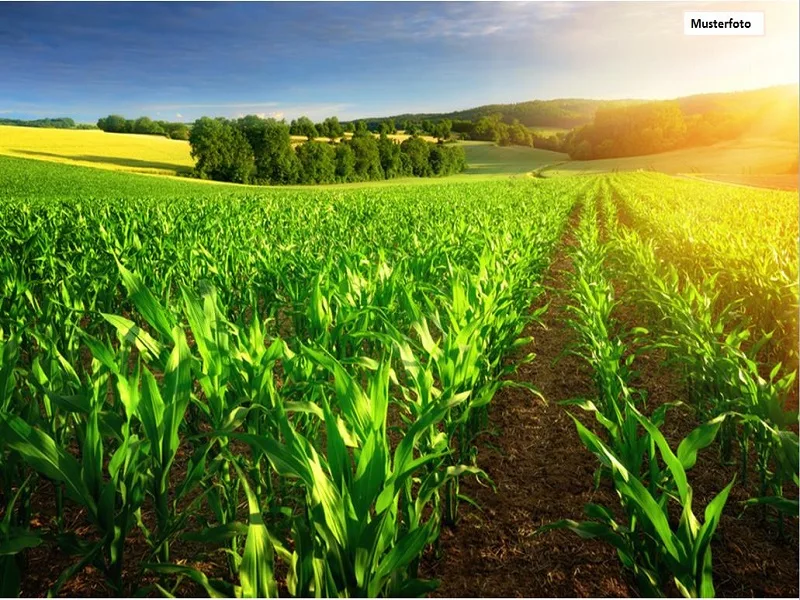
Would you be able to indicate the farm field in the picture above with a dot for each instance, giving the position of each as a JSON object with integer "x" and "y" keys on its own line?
{"x": 751, "y": 161}
{"x": 785, "y": 182}
{"x": 95, "y": 148}
{"x": 573, "y": 386}
{"x": 744, "y": 156}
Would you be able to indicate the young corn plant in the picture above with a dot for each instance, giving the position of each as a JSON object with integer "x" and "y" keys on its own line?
{"x": 365, "y": 523}
{"x": 722, "y": 376}
{"x": 646, "y": 542}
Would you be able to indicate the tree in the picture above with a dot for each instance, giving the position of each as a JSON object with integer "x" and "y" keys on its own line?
{"x": 317, "y": 162}
{"x": 303, "y": 126}
{"x": 221, "y": 151}
{"x": 178, "y": 131}
{"x": 367, "y": 157}
{"x": 387, "y": 127}
{"x": 412, "y": 128}
{"x": 276, "y": 161}
{"x": 519, "y": 134}
{"x": 349, "y": 127}
{"x": 389, "y": 154}
{"x": 361, "y": 128}
{"x": 345, "y": 162}
{"x": 113, "y": 124}
{"x": 271, "y": 143}
{"x": 334, "y": 129}
{"x": 418, "y": 152}
{"x": 447, "y": 159}
{"x": 146, "y": 126}
{"x": 441, "y": 130}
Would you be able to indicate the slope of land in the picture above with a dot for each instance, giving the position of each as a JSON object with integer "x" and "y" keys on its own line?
{"x": 486, "y": 158}
{"x": 94, "y": 148}
{"x": 745, "y": 156}
{"x": 156, "y": 155}
{"x": 744, "y": 161}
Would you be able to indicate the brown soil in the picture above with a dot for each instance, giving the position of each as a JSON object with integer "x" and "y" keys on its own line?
{"x": 543, "y": 474}
{"x": 750, "y": 556}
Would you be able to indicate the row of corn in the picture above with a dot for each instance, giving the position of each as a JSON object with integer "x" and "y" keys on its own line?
{"x": 299, "y": 386}
{"x": 651, "y": 480}
{"x": 744, "y": 240}
{"x": 706, "y": 341}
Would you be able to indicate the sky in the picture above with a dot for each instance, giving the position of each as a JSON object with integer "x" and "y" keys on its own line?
{"x": 178, "y": 61}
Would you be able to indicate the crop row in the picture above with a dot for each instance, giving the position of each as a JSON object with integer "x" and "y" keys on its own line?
{"x": 297, "y": 382}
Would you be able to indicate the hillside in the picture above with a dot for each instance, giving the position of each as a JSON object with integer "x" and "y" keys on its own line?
{"x": 567, "y": 113}
{"x": 744, "y": 156}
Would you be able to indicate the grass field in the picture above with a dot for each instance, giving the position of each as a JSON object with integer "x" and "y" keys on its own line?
{"x": 486, "y": 158}
{"x": 747, "y": 156}
{"x": 785, "y": 182}
{"x": 238, "y": 391}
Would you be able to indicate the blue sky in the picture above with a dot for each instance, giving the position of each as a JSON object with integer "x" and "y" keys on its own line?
{"x": 178, "y": 61}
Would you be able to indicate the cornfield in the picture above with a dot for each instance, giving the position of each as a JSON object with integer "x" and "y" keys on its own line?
{"x": 299, "y": 381}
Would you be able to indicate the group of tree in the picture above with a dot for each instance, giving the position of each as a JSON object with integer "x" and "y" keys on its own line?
{"x": 330, "y": 128}
{"x": 58, "y": 123}
{"x": 261, "y": 151}
{"x": 494, "y": 129}
{"x": 144, "y": 126}
{"x": 440, "y": 129}
{"x": 653, "y": 127}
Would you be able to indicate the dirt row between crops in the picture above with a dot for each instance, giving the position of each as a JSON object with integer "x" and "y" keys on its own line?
{"x": 543, "y": 474}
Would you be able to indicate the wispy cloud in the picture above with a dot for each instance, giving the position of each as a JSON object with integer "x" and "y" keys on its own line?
{"x": 222, "y": 105}
{"x": 356, "y": 59}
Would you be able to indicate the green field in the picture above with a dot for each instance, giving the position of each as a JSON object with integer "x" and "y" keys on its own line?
{"x": 748, "y": 156}
{"x": 248, "y": 391}
{"x": 489, "y": 160}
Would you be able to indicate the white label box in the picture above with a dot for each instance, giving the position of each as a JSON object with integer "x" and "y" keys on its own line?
{"x": 723, "y": 23}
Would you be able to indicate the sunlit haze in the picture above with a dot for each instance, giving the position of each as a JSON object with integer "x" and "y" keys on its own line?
{"x": 179, "y": 61}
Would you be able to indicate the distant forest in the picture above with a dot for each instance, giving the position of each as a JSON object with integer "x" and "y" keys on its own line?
{"x": 144, "y": 126}
{"x": 57, "y": 123}
{"x": 653, "y": 127}
{"x": 591, "y": 129}
{"x": 625, "y": 127}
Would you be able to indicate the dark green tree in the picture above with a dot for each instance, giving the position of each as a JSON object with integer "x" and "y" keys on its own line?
{"x": 345, "y": 162}
{"x": 367, "y": 157}
{"x": 334, "y": 129}
{"x": 418, "y": 152}
{"x": 317, "y": 162}
{"x": 303, "y": 126}
{"x": 389, "y": 153}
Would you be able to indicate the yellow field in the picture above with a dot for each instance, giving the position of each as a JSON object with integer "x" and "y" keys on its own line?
{"x": 94, "y": 148}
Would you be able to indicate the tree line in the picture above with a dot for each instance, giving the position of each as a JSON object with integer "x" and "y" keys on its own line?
{"x": 650, "y": 128}
{"x": 256, "y": 150}
{"x": 331, "y": 128}
{"x": 57, "y": 123}
{"x": 143, "y": 126}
